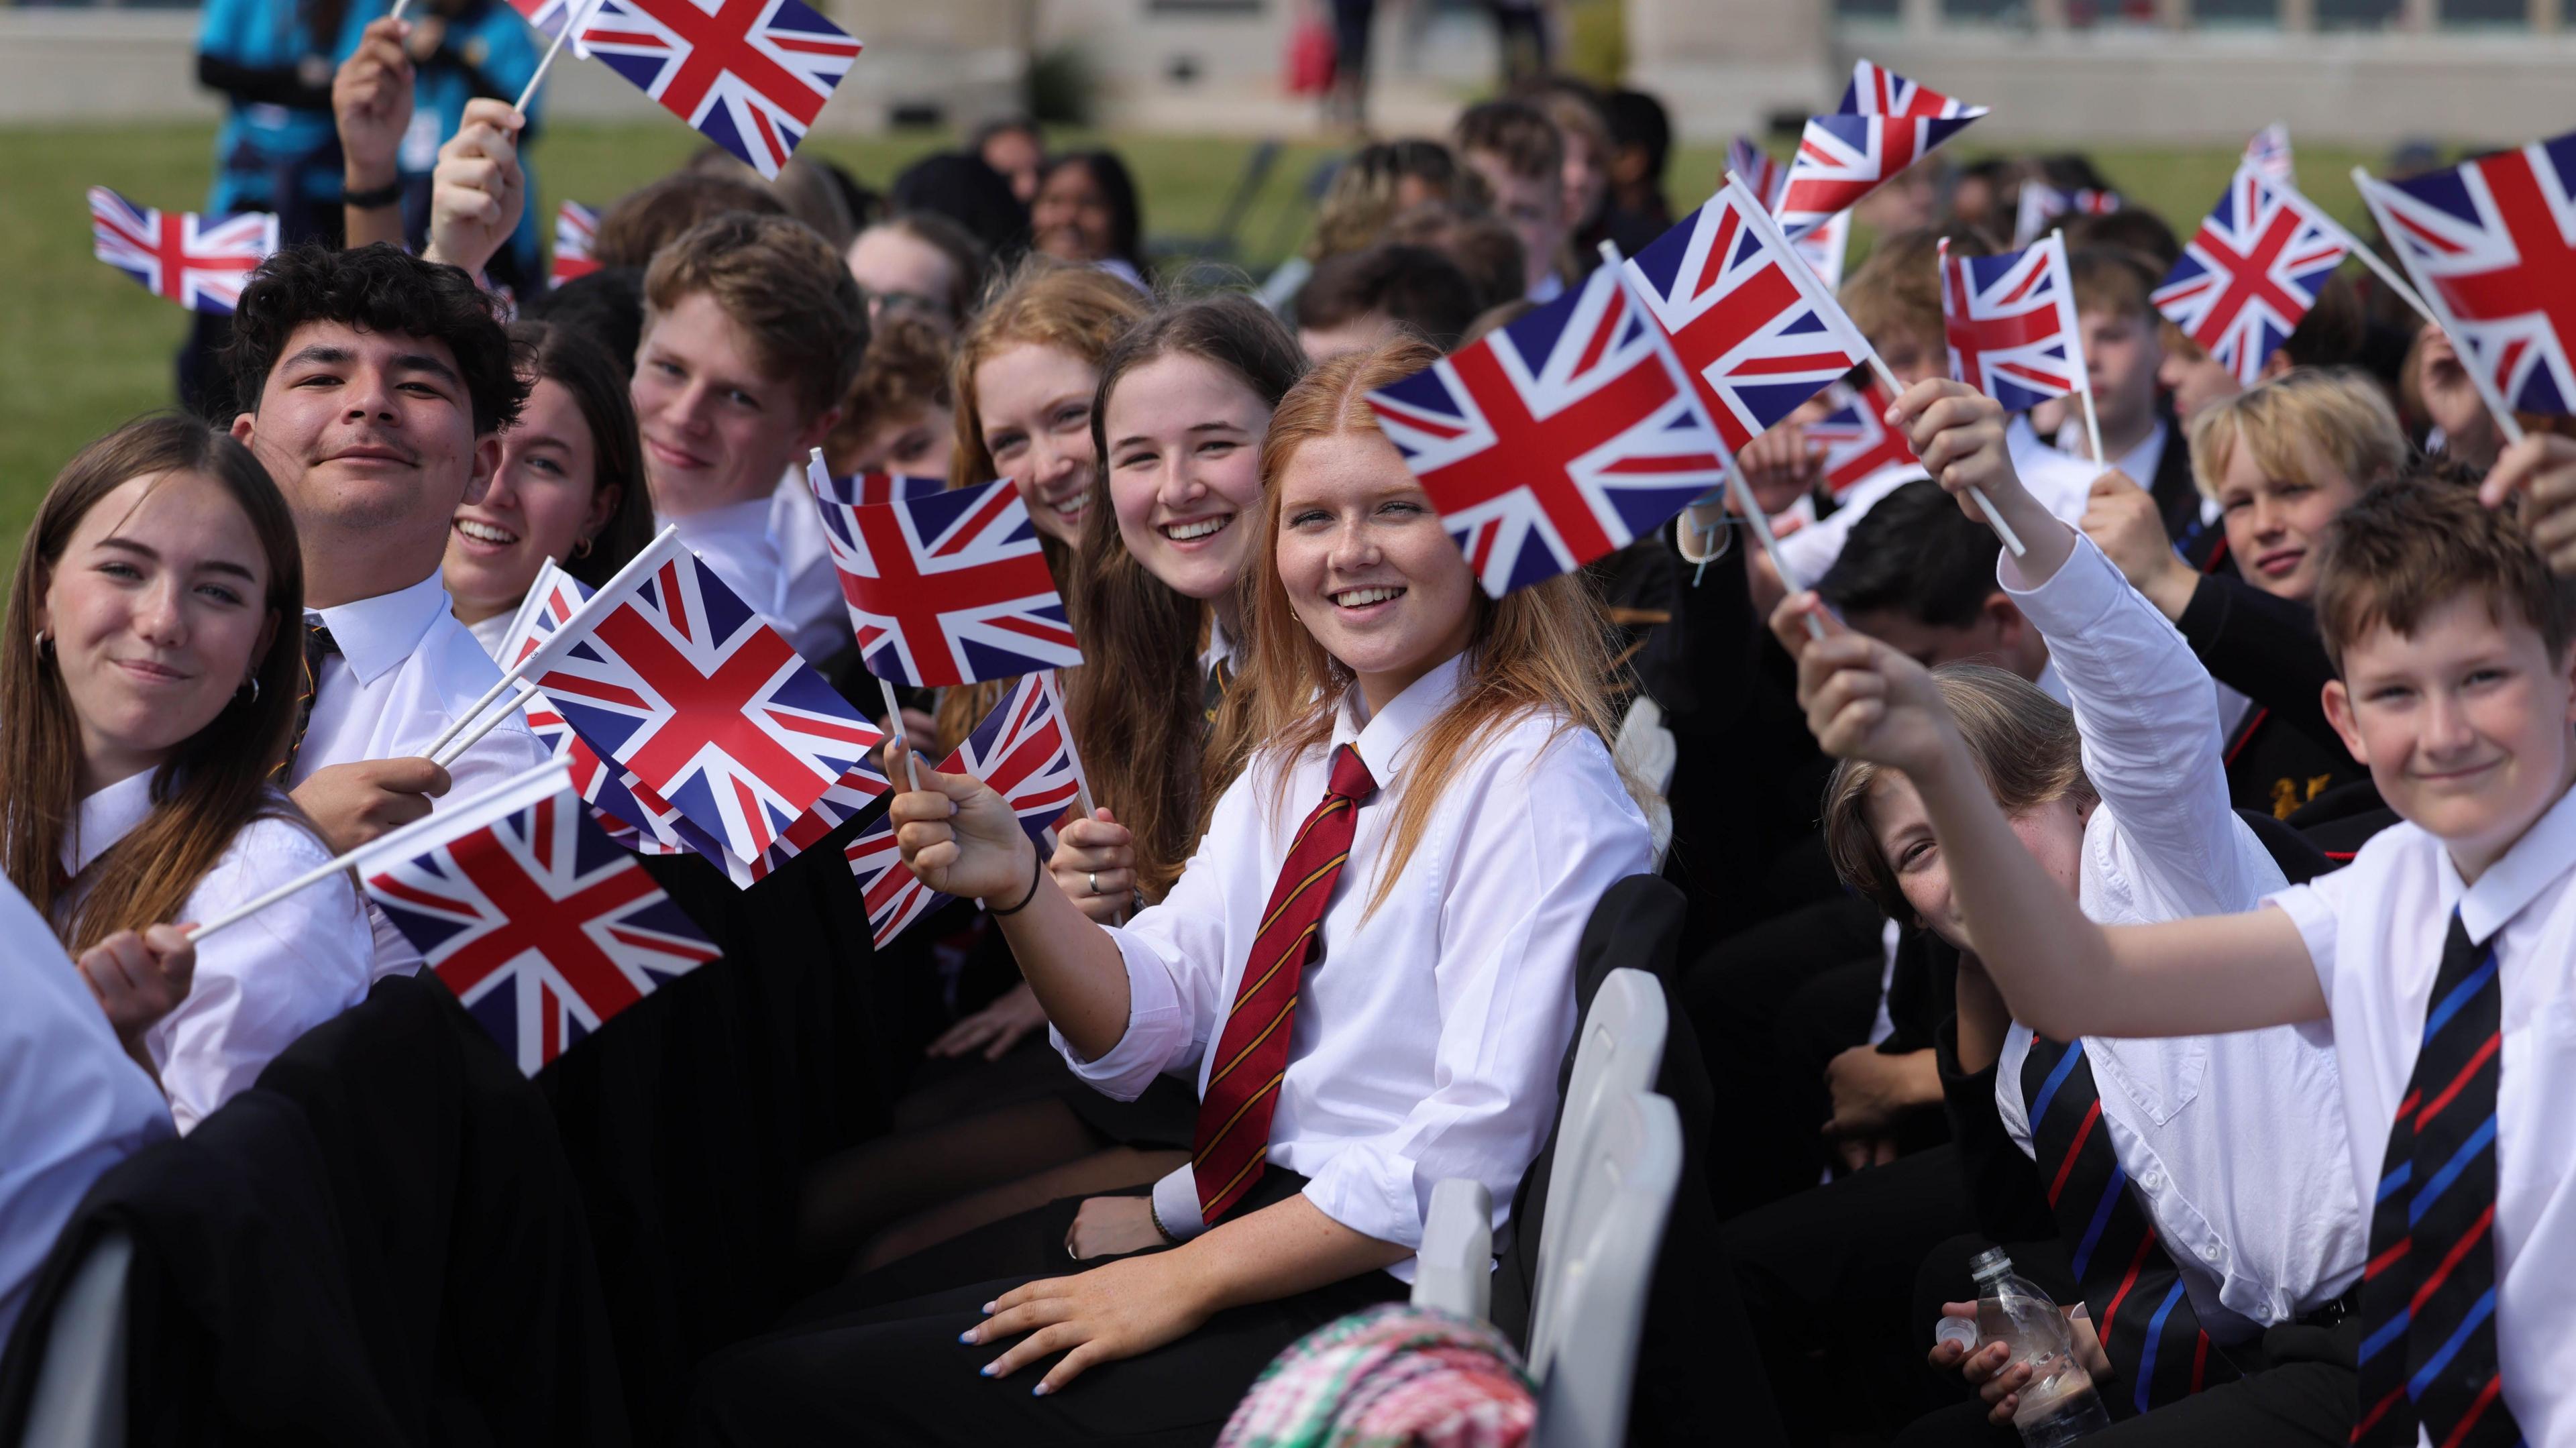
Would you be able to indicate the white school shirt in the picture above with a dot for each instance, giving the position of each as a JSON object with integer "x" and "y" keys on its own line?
{"x": 808, "y": 588}
{"x": 72, "y": 1103}
{"x": 1428, "y": 1038}
{"x": 259, "y": 984}
{"x": 491, "y": 633}
{"x": 2235, "y": 1142}
{"x": 2375, "y": 930}
{"x": 2139, "y": 463}
{"x": 2061, "y": 484}
{"x": 405, "y": 669}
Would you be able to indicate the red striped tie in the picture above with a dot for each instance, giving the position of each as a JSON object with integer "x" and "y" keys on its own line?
{"x": 1233, "y": 1140}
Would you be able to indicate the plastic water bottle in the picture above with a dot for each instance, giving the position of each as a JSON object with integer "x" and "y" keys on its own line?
{"x": 2058, "y": 1404}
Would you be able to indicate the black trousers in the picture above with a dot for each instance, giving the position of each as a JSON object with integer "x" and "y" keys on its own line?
{"x": 894, "y": 1373}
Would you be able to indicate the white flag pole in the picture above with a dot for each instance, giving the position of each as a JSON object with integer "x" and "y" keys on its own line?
{"x": 1985, "y": 505}
{"x": 492, "y": 720}
{"x": 382, "y": 844}
{"x": 2405, "y": 292}
{"x": 2507, "y": 425}
{"x": 896, "y": 742}
{"x": 2075, "y": 351}
{"x": 399, "y": 6}
{"x": 1054, "y": 686}
{"x": 574, "y": 19}
{"x": 515, "y": 672}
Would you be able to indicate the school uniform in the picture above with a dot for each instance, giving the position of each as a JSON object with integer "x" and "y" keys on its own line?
{"x": 1423, "y": 1041}
{"x": 2284, "y": 755}
{"x": 390, "y": 673}
{"x": 2408, "y": 956}
{"x": 259, "y": 984}
{"x": 771, "y": 551}
{"x": 72, "y": 1103}
{"x": 2060, "y": 483}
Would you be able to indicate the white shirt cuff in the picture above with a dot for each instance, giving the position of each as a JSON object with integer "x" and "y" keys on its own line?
{"x": 1158, "y": 1026}
{"x": 1176, "y": 1203}
{"x": 1370, "y": 1192}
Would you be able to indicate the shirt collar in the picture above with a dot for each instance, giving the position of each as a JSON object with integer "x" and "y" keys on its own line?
{"x": 2537, "y": 861}
{"x": 376, "y": 634}
{"x": 748, "y": 518}
{"x": 1382, "y": 740}
{"x": 106, "y": 817}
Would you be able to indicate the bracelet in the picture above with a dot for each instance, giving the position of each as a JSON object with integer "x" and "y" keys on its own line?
{"x": 389, "y": 194}
{"x": 1037, "y": 869}
{"x": 1154, "y": 1210}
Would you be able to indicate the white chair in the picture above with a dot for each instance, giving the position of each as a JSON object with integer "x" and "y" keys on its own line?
{"x": 79, "y": 1398}
{"x": 1454, "y": 1271}
{"x": 1616, "y": 1055}
{"x": 1590, "y": 1310}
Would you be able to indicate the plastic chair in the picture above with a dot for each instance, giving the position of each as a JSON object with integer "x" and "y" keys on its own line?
{"x": 1619, "y": 1049}
{"x": 79, "y": 1398}
{"x": 1454, "y": 1271}
{"x": 1591, "y": 1308}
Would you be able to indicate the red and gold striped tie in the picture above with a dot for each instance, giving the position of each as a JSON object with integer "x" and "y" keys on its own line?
{"x": 1233, "y": 1141}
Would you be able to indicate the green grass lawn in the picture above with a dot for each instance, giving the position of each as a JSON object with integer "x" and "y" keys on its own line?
{"x": 82, "y": 348}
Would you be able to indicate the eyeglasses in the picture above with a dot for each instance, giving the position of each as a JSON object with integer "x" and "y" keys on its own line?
{"x": 906, "y": 302}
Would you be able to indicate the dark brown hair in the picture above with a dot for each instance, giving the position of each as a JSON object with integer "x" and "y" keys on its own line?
{"x": 1415, "y": 287}
{"x": 784, "y": 286}
{"x": 2024, "y": 744}
{"x": 1520, "y": 133}
{"x": 378, "y": 288}
{"x": 1488, "y": 252}
{"x": 643, "y": 221}
{"x": 217, "y": 780}
{"x": 2408, "y": 547}
{"x": 581, "y": 367}
{"x": 1136, "y": 702}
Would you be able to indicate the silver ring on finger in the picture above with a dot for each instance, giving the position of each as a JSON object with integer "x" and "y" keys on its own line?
{"x": 1094, "y": 877}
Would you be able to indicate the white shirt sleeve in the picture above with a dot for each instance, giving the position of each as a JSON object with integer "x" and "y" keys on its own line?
{"x": 2148, "y": 714}
{"x": 1533, "y": 857}
{"x": 264, "y": 982}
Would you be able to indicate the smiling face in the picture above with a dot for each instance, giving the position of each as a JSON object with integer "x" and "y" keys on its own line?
{"x": 2275, "y": 524}
{"x": 718, "y": 429}
{"x": 541, "y": 505}
{"x": 1033, "y": 403}
{"x": 901, "y": 273}
{"x": 370, "y": 435}
{"x": 157, "y": 615}
{"x": 1185, "y": 470}
{"x": 1367, "y": 566}
{"x": 2052, "y": 832}
{"x": 1070, "y": 217}
{"x": 2464, "y": 723}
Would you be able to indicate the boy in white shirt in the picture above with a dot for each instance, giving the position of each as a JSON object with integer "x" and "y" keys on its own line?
{"x": 2439, "y": 958}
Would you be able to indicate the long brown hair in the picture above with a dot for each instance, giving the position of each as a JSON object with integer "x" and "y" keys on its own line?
{"x": 580, "y": 366}
{"x": 1136, "y": 704}
{"x": 1543, "y": 649}
{"x": 1052, "y": 303}
{"x": 217, "y": 780}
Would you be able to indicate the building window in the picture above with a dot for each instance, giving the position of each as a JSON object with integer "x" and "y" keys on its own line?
{"x": 2357, "y": 14}
{"x": 2487, "y": 14}
{"x": 1987, "y": 12}
{"x": 2236, "y": 13}
{"x": 1870, "y": 12}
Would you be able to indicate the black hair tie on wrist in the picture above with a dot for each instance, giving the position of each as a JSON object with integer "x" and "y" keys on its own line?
{"x": 383, "y": 196}
{"x": 1037, "y": 868}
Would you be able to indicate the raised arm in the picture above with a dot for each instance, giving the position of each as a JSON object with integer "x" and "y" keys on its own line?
{"x": 2063, "y": 975}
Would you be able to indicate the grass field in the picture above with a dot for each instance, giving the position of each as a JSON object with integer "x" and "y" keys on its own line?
{"x": 82, "y": 348}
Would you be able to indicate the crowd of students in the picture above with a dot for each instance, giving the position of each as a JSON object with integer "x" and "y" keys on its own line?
{"x": 2152, "y": 902}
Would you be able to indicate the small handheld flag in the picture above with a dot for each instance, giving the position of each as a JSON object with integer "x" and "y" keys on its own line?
{"x": 751, "y": 75}
{"x": 2491, "y": 244}
{"x": 576, "y": 228}
{"x": 2010, "y": 321}
{"x": 1844, "y": 158}
{"x": 1858, "y": 442}
{"x": 1878, "y": 91}
{"x": 1763, "y": 175}
{"x": 200, "y": 262}
{"x": 521, "y": 907}
{"x": 2042, "y": 204}
{"x": 1024, "y": 751}
{"x": 1556, "y": 439}
{"x": 2251, "y": 272}
{"x": 2269, "y": 153}
{"x": 947, "y": 587}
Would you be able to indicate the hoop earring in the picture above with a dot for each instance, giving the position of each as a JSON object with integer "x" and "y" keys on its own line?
{"x": 581, "y": 549}
{"x": 253, "y": 682}
{"x": 44, "y": 644}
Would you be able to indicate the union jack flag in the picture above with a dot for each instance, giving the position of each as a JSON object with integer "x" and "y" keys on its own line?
{"x": 2042, "y": 203}
{"x": 947, "y": 587}
{"x": 1844, "y": 158}
{"x": 2011, "y": 324}
{"x": 1754, "y": 328}
{"x": 1764, "y": 175}
{"x": 2269, "y": 153}
{"x": 2251, "y": 272}
{"x": 750, "y": 74}
{"x": 2492, "y": 244}
{"x": 1023, "y": 750}
{"x": 669, "y": 675}
{"x": 860, "y": 490}
{"x": 200, "y": 262}
{"x": 541, "y": 927}
{"x": 1858, "y": 442}
{"x": 1555, "y": 440}
{"x": 630, "y": 815}
{"x": 1825, "y": 247}
{"x": 1877, "y": 91}
{"x": 576, "y": 226}
{"x": 546, "y": 15}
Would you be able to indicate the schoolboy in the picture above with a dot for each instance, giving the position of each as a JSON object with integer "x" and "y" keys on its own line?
{"x": 753, "y": 330}
{"x": 1361, "y": 298}
{"x": 1520, "y": 154}
{"x": 2438, "y": 960}
{"x": 2123, "y": 352}
{"x": 1920, "y": 575}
